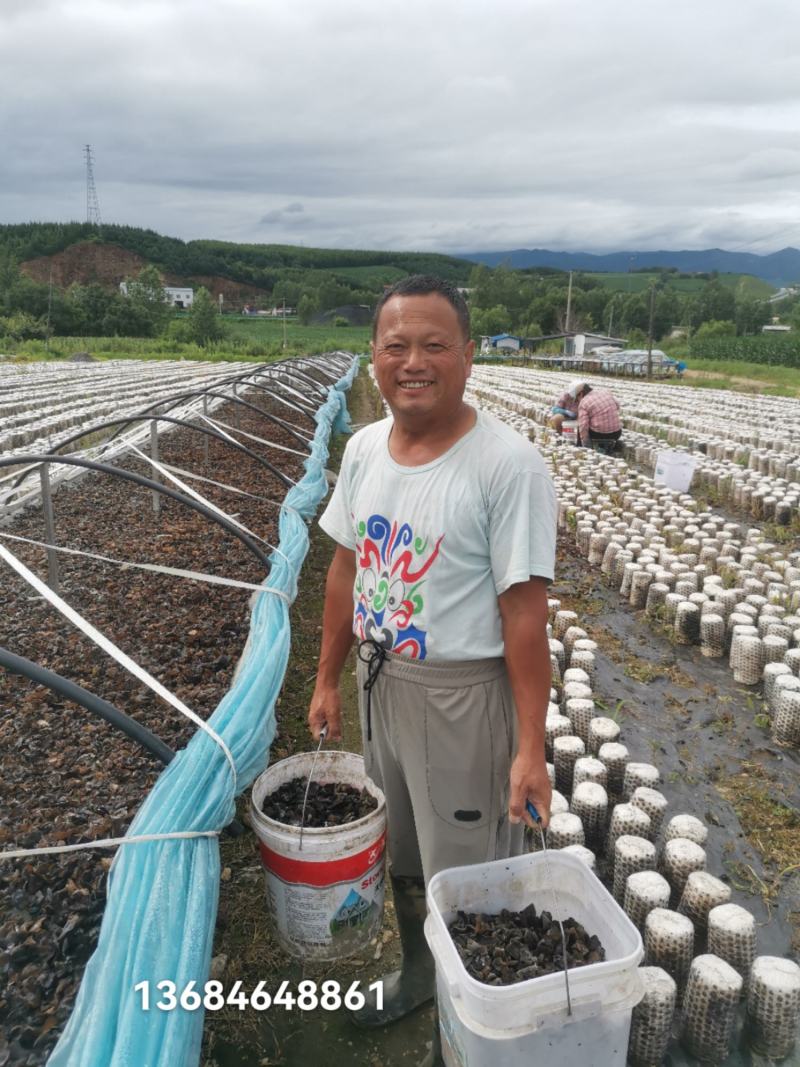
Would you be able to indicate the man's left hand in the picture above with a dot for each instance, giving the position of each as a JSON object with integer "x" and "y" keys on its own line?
{"x": 529, "y": 781}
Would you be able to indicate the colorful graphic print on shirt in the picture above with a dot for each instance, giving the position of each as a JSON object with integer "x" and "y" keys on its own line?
{"x": 391, "y": 567}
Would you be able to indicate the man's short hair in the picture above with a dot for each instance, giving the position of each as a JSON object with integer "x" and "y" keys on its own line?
{"x": 424, "y": 285}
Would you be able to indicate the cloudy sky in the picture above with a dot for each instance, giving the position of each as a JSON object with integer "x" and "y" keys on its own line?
{"x": 444, "y": 125}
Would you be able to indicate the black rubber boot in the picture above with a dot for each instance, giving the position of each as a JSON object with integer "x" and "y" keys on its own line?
{"x": 434, "y": 1056}
{"x": 413, "y": 985}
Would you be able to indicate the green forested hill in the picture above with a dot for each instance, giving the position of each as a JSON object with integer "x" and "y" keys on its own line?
{"x": 260, "y": 265}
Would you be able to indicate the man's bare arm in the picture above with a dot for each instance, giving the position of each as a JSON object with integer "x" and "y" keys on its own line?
{"x": 523, "y": 611}
{"x": 337, "y": 638}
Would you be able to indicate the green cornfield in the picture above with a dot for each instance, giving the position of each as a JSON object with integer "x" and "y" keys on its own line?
{"x": 781, "y": 351}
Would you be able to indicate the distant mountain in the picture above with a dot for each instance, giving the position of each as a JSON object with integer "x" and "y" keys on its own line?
{"x": 779, "y": 268}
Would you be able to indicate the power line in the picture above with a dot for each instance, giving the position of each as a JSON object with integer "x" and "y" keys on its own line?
{"x": 92, "y": 203}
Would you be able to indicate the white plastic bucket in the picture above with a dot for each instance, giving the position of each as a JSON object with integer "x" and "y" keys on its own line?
{"x": 569, "y": 431}
{"x": 527, "y": 1023}
{"x": 326, "y": 901}
{"x": 675, "y": 470}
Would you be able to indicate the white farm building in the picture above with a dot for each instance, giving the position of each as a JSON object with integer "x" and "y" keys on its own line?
{"x": 177, "y": 296}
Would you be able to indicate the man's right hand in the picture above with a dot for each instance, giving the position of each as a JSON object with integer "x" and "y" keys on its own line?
{"x": 326, "y": 708}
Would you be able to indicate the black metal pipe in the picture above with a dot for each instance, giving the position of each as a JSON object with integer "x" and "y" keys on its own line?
{"x": 265, "y": 369}
{"x": 271, "y": 392}
{"x": 315, "y": 386}
{"x": 174, "y": 401}
{"x": 95, "y": 704}
{"x": 146, "y": 483}
{"x": 185, "y": 424}
{"x": 323, "y": 363}
{"x": 259, "y": 411}
{"x": 298, "y": 376}
{"x": 71, "y": 691}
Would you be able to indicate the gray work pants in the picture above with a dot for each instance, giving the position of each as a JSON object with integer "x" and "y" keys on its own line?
{"x": 443, "y": 738}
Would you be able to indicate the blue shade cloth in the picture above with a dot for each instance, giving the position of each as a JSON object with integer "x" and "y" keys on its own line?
{"x": 162, "y": 896}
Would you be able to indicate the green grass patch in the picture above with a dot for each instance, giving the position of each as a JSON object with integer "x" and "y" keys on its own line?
{"x": 267, "y": 331}
{"x": 747, "y": 286}
{"x": 722, "y": 374}
{"x": 253, "y": 338}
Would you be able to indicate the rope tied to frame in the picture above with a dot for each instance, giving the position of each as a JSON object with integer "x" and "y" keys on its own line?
{"x": 375, "y": 659}
{"x": 106, "y": 842}
{"x": 155, "y": 568}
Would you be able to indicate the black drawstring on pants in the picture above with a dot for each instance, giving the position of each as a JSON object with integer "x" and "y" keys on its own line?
{"x": 375, "y": 658}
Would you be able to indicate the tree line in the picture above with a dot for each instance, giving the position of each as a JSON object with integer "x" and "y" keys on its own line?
{"x": 530, "y": 302}
{"x": 312, "y": 280}
{"x": 31, "y": 311}
{"x": 533, "y": 303}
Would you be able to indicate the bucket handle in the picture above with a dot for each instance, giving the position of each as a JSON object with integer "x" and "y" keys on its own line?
{"x": 444, "y": 962}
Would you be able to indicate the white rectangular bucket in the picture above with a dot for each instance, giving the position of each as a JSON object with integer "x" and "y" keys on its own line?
{"x": 517, "y": 1025}
{"x": 675, "y": 470}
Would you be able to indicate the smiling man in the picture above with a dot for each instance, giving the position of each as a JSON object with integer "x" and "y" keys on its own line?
{"x": 445, "y": 523}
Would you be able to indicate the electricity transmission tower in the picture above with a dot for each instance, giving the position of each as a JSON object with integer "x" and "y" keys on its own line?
{"x": 92, "y": 203}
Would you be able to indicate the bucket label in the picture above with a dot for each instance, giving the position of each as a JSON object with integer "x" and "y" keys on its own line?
{"x": 335, "y": 904}
{"x": 353, "y": 911}
{"x": 321, "y": 873}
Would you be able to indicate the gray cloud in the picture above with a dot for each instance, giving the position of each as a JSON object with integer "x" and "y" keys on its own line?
{"x": 287, "y": 216}
{"x": 598, "y": 124}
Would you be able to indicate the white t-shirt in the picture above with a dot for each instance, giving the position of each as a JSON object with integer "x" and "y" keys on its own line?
{"x": 436, "y": 544}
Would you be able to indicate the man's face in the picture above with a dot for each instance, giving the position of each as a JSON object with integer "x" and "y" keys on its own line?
{"x": 421, "y": 358}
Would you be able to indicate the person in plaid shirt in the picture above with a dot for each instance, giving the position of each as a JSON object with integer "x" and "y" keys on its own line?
{"x": 566, "y": 407}
{"x": 598, "y": 419}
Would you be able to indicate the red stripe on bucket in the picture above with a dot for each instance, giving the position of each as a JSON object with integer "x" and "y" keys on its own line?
{"x": 322, "y": 873}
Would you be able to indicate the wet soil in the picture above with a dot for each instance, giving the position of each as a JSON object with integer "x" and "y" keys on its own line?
{"x": 324, "y": 804}
{"x": 515, "y": 946}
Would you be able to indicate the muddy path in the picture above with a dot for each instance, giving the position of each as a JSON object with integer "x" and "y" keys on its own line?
{"x": 685, "y": 713}
{"x": 245, "y": 948}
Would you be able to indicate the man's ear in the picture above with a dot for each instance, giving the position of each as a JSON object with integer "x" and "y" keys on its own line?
{"x": 469, "y": 355}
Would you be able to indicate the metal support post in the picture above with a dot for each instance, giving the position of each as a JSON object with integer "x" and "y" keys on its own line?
{"x": 205, "y": 435}
{"x": 650, "y": 332}
{"x": 49, "y": 527}
{"x": 154, "y": 473}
